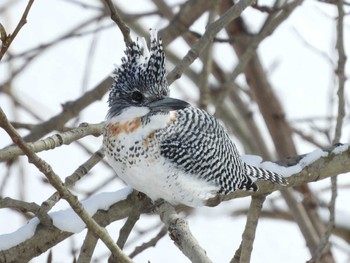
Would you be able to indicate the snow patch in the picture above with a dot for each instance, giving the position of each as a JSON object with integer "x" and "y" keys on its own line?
{"x": 340, "y": 149}
{"x": 20, "y": 235}
{"x": 312, "y": 157}
{"x": 66, "y": 220}
{"x": 288, "y": 171}
{"x": 254, "y": 160}
{"x": 281, "y": 170}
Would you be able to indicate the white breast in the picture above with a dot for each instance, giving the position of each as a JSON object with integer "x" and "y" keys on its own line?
{"x": 134, "y": 154}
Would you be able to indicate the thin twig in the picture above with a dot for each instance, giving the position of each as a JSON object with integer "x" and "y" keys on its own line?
{"x": 129, "y": 224}
{"x": 151, "y": 243}
{"x": 250, "y": 50}
{"x": 9, "y": 38}
{"x": 207, "y": 37}
{"x": 120, "y": 23}
{"x": 207, "y": 59}
{"x": 125, "y": 231}
{"x": 22, "y": 206}
{"x": 338, "y": 128}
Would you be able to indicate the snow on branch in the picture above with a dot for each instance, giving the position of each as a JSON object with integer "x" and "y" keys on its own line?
{"x": 300, "y": 170}
{"x": 43, "y": 237}
{"x": 327, "y": 164}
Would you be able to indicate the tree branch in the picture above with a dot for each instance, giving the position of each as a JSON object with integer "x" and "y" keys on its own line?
{"x": 6, "y": 42}
{"x": 120, "y": 23}
{"x": 70, "y": 110}
{"x": 180, "y": 233}
{"x": 56, "y": 182}
{"x": 244, "y": 251}
{"x": 54, "y": 141}
{"x": 207, "y": 37}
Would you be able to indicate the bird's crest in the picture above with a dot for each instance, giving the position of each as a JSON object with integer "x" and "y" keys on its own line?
{"x": 142, "y": 69}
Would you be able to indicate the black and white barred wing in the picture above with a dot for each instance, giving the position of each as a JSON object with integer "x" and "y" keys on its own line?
{"x": 198, "y": 145}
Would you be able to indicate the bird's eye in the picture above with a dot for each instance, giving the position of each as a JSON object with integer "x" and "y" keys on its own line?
{"x": 137, "y": 96}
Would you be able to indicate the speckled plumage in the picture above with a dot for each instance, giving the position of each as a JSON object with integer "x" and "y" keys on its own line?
{"x": 161, "y": 146}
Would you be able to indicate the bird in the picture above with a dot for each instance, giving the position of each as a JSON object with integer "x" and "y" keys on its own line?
{"x": 164, "y": 147}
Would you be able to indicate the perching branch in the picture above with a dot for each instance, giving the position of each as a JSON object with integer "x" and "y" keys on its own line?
{"x": 322, "y": 168}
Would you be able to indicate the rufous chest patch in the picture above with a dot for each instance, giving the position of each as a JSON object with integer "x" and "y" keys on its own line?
{"x": 115, "y": 129}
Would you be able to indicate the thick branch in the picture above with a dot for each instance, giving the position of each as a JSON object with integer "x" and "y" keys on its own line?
{"x": 324, "y": 167}
{"x": 46, "y": 237}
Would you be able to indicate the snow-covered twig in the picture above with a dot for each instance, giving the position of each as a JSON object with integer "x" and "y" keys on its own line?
{"x": 44, "y": 237}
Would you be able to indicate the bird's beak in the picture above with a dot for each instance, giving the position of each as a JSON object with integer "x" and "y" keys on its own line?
{"x": 167, "y": 104}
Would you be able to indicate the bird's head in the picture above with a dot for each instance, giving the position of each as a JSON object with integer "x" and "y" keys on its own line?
{"x": 140, "y": 87}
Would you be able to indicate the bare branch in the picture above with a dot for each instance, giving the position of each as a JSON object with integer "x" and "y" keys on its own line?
{"x": 207, "y": 37}
{"x": 54, "y": 141}
{"x": 243, "y": 254}
{"x": 9, "y": 38}
{"x": 120, "y": 23}
{"x": 22, "y": 206}
{"x": 151, "y": 243}
{"x": 88, "y": 247}
{"x": 318, "y": 253}
{"x": 70, "y": 110}
{"x": 180, "y": 233}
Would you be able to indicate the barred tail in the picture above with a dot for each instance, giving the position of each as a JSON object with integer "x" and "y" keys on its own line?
{"x": 265, "y": 175}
